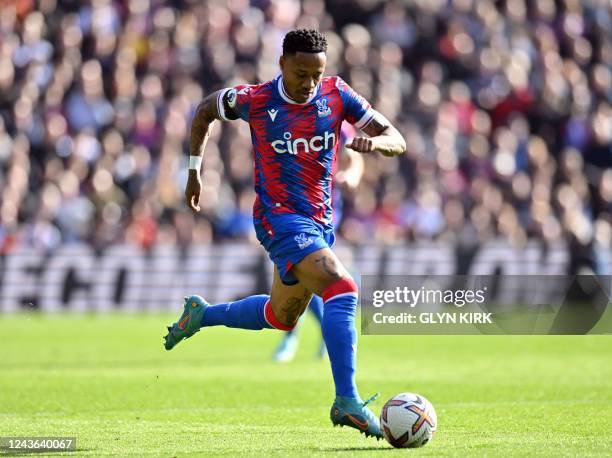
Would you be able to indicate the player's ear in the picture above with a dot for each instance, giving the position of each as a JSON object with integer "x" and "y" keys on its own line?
{"x": 281, "y": 62}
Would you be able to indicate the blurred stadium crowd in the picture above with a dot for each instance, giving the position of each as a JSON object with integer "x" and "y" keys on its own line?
{"x": 506, "y": 108}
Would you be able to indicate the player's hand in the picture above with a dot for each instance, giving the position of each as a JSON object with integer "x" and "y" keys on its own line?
{"x": 362, "y": 144}
{"x": 193, "y": 190}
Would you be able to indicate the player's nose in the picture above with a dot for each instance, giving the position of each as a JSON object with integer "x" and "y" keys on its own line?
{"x": 309, "y": 85}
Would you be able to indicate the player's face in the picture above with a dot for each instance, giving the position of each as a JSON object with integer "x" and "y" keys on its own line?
{"x": 301, "y": 73}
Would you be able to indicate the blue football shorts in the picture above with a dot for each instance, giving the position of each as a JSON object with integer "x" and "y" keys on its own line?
{"x": 288, "y": 238}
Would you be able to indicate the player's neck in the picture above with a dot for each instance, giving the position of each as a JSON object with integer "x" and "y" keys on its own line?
{"x": 286, "y": 94}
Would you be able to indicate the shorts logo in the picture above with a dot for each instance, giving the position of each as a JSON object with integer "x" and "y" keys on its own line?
{"x": 303, "y": 241}
{"x": 323, "y": 109}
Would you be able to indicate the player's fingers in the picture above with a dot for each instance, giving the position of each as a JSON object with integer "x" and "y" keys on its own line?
{"x": 190, "y": 200}
{"x": 194, "y": 204}
{"x": 366, "y": 145}
{"x": 360, "y": 144}
{"x": 355, "y": 144}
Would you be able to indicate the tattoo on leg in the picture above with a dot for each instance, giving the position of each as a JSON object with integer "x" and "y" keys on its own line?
{"x": 295, "y": 306}
{"x": 329, "y": 266}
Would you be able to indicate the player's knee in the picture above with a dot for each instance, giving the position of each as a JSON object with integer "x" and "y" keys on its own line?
{"x": 329, "y": 270}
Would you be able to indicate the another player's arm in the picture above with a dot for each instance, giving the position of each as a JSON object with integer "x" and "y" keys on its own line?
{"x": 351, "y": 169}
{"x": 383, "y": 138}
{"x": 201, "y": 127}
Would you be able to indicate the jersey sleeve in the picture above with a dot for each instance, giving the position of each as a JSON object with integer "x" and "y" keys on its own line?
{"x": 357, "y": 110}
{"x": 234, "y": 102}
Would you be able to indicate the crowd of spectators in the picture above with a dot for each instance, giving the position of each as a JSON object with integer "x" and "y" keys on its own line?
{"x": 505, "y": 106}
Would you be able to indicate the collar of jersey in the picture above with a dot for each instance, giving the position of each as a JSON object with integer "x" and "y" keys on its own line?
{"x": 287, "y": 98}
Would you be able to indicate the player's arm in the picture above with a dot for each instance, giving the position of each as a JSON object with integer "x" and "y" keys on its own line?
{"x": 201, "y": 127}
{"x": 383, "y": 138}
{"x": 351, "y": 169}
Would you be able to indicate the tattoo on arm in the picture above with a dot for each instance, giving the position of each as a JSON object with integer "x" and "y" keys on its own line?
{"x": 201, "y": 126}
{"x": 389, "y": 142}
{"x": 377, "y": 126}
{"x": 203, "y": 121}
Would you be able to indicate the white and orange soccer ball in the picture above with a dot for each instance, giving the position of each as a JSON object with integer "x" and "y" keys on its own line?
{"x": 408, "y": 420}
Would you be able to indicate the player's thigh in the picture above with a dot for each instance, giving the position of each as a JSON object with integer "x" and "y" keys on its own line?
{"x": 319, "y": 270}
{"x": 288, "y": 301}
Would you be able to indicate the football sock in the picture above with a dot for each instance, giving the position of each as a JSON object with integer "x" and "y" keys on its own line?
{"x": 253, "y": 312}
{"x": 316, "y": 308}
{"x": 340, "y": 335}
{"x": 293, "y": 331}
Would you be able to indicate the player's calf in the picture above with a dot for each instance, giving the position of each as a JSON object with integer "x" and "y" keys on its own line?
{"x": 287, "y": 313}
{"x": 287, "y": 303}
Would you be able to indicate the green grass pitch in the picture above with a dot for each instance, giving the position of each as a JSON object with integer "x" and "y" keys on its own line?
{"x": 108, "y": 381}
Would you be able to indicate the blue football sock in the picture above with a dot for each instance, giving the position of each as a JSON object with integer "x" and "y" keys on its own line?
{"x": 246, "y": 313}
{"x": 293, "y": 331}
{"x": 340, "y": 335}
{"x": 316, "y": 307}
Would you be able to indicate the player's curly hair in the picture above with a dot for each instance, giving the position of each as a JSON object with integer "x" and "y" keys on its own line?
{"x": 304, "y": 40}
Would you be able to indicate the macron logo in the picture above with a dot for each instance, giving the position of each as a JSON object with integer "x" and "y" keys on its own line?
{"x": 272, "y": 114}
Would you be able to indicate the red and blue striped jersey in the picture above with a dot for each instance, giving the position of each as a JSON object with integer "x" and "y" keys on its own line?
{"x": 295, "y": 144}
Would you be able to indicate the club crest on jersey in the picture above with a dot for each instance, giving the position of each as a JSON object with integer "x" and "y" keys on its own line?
{"x": 322, "y": 108}
{"x": 303, "y": 241}
{"x": 293, "y": 146}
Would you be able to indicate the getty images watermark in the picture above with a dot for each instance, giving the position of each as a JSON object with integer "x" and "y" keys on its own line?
{"x": 465, "y": 304}
{"x": 412, "y": 298}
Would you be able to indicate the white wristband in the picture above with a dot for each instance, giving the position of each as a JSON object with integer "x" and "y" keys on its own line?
{"x": 195, "y": 163}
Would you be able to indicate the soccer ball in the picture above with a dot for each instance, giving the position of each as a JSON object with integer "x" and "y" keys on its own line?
{"x": 408, "y": 420}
